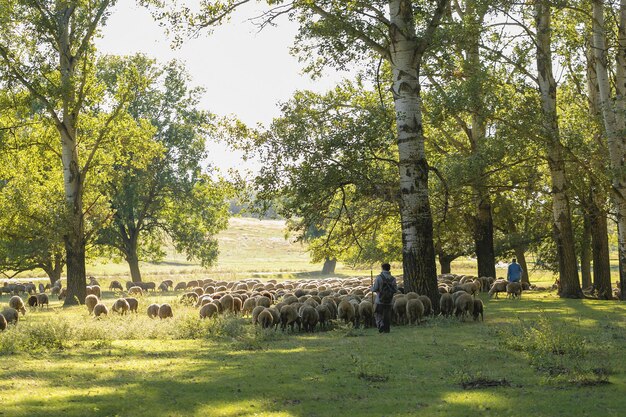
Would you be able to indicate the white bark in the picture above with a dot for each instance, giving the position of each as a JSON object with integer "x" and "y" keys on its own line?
{"x": 417, "y": 235}
{"x": 613, "y": 115}
{"x": 564, "y": 237}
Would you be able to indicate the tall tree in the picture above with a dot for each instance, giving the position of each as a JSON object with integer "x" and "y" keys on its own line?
{"x": 388, "y": 30}
{"x": 562, "y": 221}
{"x": 47, "y": 47}
{"x": 169, "y": 192}
{"x": 613, "y": 106}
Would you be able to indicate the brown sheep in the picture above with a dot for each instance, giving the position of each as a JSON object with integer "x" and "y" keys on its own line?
{"x": 276, "y": 315}
{"x": 135, "y": 290}
{"x": 478, "y": 310}
{"x": 366, "y": 313}
{"x": 468, "y": 287}
{"x": 290, "y": 299}
{"x": 514, "y": 290}
{"x": 208, "y": 310}
{"x": 248, "y": 306}
{"x": 163, "y": 287}
{"x": 93, "y": 289}
{"x": 11, "y": 315}
{"x": 324, "y": 314}
{"x": 120, "y": 306}
{"x": 43, "y": 299}
{"x": 255, "y": 313}
{"x": 411, "y": 295}
{"x": 345, "y": 312}
{"x": 428, "y": 305}
{"x": 464, "y": 306}
{"x": 115, "y": 285}
{"x": 91, "y": 301}
{"x": 332, "y": 307}
{"x": 205, "y": 299}
{"x": 3, "y": 323}
{"x": 265, "y": 318}
{"x": 218, "y": 305}
{"x": 263, "y": 301}
{"x": 227, "y": 303}
{"x": 180, "y": 286}
{"x": 311, "y": 301}
{"x": 199, "y": 291}
{"x": 17, "y": 303}
{"x": 289, "y": 317}
{"x": 32, "y": 301}
{"x": 168, "y": 283}
{"x": 189, "y": 298}
{"x": 100, "y": 310}
{"x": 133, "y": 304}
{"x": 497, "y": 287}
{"x": 309, "y": 317}
{"x": 414, "y": 310}
{"x": 165, "y": 311}
{"x": 153, "y": 310}
{"x": 399, "y": 309}
{"x": 446, "y": 304}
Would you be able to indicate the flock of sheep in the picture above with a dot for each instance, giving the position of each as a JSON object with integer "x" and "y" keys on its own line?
{"x": 307, "y": 304}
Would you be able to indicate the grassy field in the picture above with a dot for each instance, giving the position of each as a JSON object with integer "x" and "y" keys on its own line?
{"x": 254, "y": 248}
{"x": 538, "y": 356}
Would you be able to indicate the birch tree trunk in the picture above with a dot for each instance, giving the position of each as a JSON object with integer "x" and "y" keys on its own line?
{"x": 418, "y": 251}
{"x": 562, "y": 222}
{"x": 614, "y": 118}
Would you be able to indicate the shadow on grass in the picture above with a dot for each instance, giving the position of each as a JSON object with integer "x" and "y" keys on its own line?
{"x": 414, "y": 370}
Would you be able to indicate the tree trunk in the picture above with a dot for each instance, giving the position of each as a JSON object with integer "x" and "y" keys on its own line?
{"x": 132, "y": 258}
{"x": 600, "y": 245}
{"x": 483, "y": 221}
{"x": 76, "y": 281}
{"x": 562, "y": 221}
{"x": 585, "y": 252}
{"x": 54, "y": 268}
{"x": 445, "y": 262}
{"x": 418, "y": 251}
{"x": 329, "y": 266}
{"x": 483, "y": 239}
{"x": 520, "y": 254}
{"x": 614, "y": 118}
{"x": 72, "y": 177}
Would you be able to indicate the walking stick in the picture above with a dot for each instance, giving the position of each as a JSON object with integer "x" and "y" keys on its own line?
{"x": 372, "y": 284}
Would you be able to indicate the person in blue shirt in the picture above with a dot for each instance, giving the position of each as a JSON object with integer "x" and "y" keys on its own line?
{"x": 383, "y": 310}
{"x": 514, "y": 274}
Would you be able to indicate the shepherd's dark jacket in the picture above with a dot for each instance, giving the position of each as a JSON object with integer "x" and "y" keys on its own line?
{"x": 378, "y": 284}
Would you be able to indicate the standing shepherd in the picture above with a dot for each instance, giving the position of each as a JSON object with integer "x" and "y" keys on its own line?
{"x": 514, "y": 274}
{"x": 385, "y": 287}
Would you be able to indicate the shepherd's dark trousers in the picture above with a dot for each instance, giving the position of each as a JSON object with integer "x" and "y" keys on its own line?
{"x": 383, "y": 317}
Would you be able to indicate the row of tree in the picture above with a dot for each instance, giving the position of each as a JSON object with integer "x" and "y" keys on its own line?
{"x": 465, "y": 91}
{"x": 96, "y": 152}
{"x": 455, "y": 138}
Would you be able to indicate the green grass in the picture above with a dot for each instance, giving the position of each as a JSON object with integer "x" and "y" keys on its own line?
{"x": 62, "y": 362}
{"x": 260, "y": 249}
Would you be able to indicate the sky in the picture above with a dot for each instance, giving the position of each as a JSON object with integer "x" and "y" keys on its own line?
{"x": 244, "y": 72}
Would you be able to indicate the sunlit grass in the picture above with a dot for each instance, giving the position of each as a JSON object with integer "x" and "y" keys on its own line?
{"x": 135, "y": 366}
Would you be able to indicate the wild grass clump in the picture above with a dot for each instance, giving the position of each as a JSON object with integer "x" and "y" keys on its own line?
{"x": 559, "y": 351}
{"x": 36, "y": 336}
{"x": 368, "y": 370}
{"x": 480, "y": 380}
